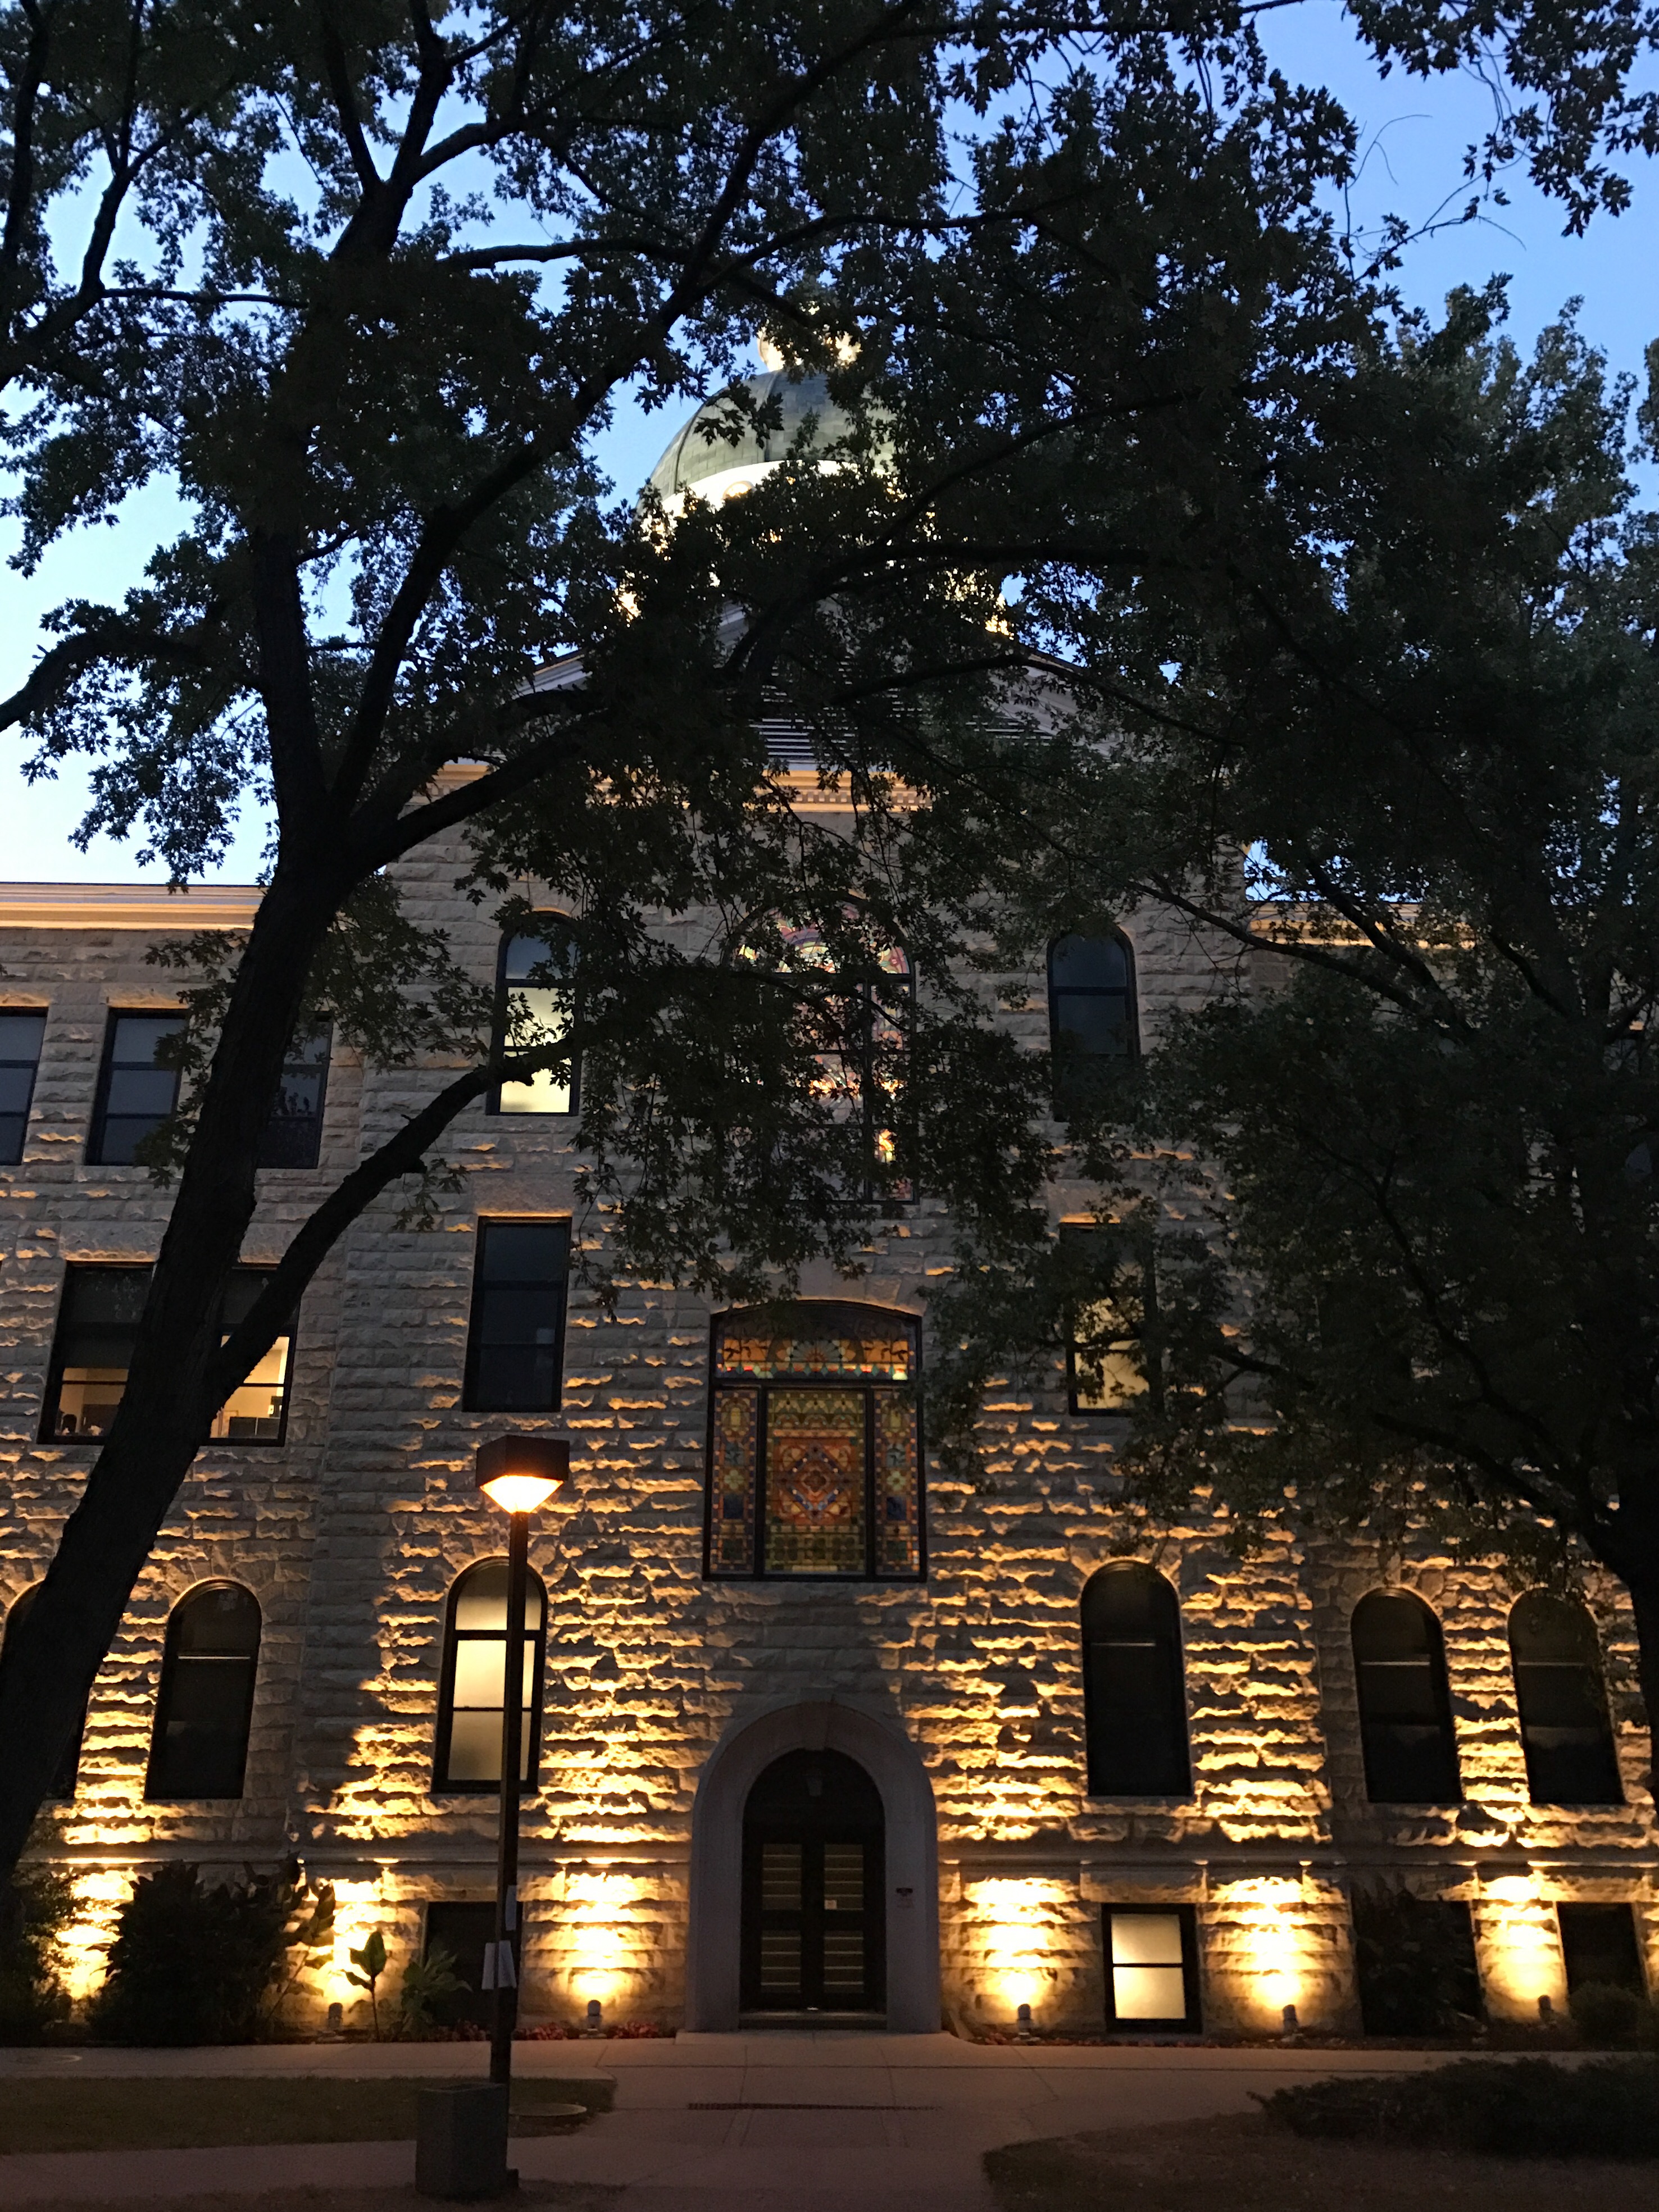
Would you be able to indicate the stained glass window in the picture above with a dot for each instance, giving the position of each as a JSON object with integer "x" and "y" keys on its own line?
{"x": 815, "y": 1445}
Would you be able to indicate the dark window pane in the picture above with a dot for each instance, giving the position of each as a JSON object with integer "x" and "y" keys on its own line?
{"x": 293, "y": 1135}
{"x": 135, "y": 1093}
{"x": 1088, "y": 963}
{"x": 199, "y": 1748}
{"x": 20, "y": 1057}
{"x": 1564, "y": 1729}
{"x": 515, "y": 1344}
{"x": 62, "y": 1781}
{"x": 1415, "y": 1961}
{"x": 1404, "y": 1704}
{"x": 462, "y": 1931}
{"x": 1092, "y": 1024}
{"x": 1134, "y": 1697}
{"x": 1598, "y": 1944}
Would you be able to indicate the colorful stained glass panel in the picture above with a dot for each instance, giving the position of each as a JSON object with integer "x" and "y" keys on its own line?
{"x": 731, "y": 1533}
{"x": 898, "y": 1485}
{"x": 878, "y": 1349}
{"x": 815, "y": 1482}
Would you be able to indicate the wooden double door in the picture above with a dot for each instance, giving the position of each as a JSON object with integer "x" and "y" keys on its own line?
{"x": 813, "y": 1892}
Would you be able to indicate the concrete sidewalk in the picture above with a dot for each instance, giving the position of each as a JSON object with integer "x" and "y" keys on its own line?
{"x": 778, "y": 2123}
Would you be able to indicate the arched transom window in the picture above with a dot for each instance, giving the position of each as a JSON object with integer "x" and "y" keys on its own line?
{"x": 1404, "y": 1704}
{"x": 535, "y": 1003}
{"x": 1571, "y": 1759}
{"x": 815, "y": 1444}
{"x": 203, "y": 1716}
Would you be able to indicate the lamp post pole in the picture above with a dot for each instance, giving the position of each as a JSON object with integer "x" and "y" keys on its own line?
{"x": 518, "y": 1474}
{"x": 504, "y": 2012}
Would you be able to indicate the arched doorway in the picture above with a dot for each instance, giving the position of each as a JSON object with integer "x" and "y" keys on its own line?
{"x": 873, "y": 1737}
{"x": 813, "y": 1889}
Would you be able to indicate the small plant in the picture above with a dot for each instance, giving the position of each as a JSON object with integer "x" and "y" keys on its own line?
{"x": 31, "y": 1997}
{"x": 427, "y": 1985}
{"x": 369, "y": 1959}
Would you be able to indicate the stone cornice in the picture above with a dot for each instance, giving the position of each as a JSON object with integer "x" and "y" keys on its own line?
{"x": 127, "y": 906}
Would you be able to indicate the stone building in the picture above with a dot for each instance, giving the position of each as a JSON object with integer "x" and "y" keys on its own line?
{"x": 817, "y": 1732}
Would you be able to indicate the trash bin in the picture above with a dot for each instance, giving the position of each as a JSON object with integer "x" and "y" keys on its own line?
{"x": 460, "y": 2141}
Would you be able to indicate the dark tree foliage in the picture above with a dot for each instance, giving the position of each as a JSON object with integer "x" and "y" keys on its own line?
{"x": 365, "y": 282}
{"x": 1405, "y": 1254}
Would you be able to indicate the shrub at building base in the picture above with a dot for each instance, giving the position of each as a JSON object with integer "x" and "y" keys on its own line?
{"x": 31, "y": 1998}
{"x": 191, "y": 1964}
{"x": 1522, "y": 2107}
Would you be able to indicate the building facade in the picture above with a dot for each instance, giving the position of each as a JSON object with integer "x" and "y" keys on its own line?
{"x": 817, "y": 1730}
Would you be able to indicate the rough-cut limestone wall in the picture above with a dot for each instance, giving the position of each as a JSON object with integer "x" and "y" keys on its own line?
{"x": 352, "y": 1536}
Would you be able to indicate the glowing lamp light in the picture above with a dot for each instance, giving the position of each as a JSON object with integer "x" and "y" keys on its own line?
{"x": 519, "y": 1474}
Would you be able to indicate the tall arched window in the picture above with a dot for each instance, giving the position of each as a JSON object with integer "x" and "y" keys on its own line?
{"x": 1133, "y": 1687}
{"x": 62, "y": 1781}
{"x": 472, "y": 1686}
{"x": 1093, "y": 1021}
{"x": 535, "y": 1002}
{"x": 199, "y": 1746}
{"x": 1564, "y": 1727}
{"x": 1405, "y": 1703}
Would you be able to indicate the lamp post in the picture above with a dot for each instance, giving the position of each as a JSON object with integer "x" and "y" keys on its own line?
{"x": 518, "y": 1474}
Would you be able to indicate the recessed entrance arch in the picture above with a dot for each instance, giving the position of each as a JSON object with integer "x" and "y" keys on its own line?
{"x": 904, "y": 1941}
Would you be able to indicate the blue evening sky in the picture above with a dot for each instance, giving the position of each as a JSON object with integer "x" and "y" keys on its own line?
{"x": 1414, "y": 136}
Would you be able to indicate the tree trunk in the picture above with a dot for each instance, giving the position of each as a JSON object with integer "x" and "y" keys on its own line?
{"x": 169, "y": 1402}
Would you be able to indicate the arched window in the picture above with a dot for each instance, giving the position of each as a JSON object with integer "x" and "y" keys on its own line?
{"x": 199, "y": 1747}
{"x": 815, "y": 1444}
{"x": 62, "y": 1781}
{"x": 1134, "y": 1688}
{"x": 1093, "y": 1025}
{"x": 1564, "y": 1706}
{"x": 1404, "y": 1704}
{"x": 472, "y": 1686}
{"x": 851, "y": 1007}
{"x": 535, "y": 1002}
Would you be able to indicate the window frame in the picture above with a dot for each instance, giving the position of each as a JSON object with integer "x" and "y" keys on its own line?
{"x": 74, "y": 1269}
{"x": 1191, "y": 2022}
{"x": 1593, "y": 1665}
{"x": 720, "y": 1384}
{"x": 1172, "y": 1658}
{"x": 325, "y": 1032}
{"x": 1129, "y": 993}
{"x": 165, "y": 1688}
{"x": 1151, "y": 1391}
{"x": 444, "y": 1728}
{"x": 498, "y": 1023}
{"x": 864, "y": 987}
{"x": 471, "y": 1401}
{"x": 12, "y": 1013}
{"x": 1440, "y": 1679}
{"x": 97, "y": 1130}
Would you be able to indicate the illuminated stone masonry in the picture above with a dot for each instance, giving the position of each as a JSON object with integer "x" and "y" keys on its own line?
{"x": 1220, "y": 1906}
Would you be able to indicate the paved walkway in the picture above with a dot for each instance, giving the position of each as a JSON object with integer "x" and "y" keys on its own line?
{"x": 780, "y": 2123}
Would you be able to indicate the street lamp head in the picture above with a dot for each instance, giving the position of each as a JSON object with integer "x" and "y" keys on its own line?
{"x": 518, "y": 1473}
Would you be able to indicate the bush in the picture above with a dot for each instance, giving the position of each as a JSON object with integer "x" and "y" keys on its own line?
{"x": 1606, "y": 2015}
{"x": 1526, "y": 2108}
{"x": 32, "y": 1910}
{"x": 193, "y": 1965}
